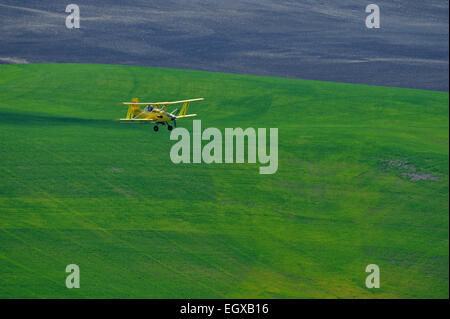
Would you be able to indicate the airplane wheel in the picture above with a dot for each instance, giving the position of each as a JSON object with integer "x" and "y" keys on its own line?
{"x": 155, "y": 128}
{"x": 169, "y": 127}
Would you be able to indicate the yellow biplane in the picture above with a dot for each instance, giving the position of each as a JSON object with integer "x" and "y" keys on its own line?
{"x": 156, "y": 113}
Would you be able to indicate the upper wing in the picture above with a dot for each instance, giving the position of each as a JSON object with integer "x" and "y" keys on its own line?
{"x": 163, "y": 103}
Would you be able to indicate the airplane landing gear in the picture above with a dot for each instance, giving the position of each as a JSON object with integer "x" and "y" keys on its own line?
{"x": 155, "y": 128}
{"x": 169, "y": 127}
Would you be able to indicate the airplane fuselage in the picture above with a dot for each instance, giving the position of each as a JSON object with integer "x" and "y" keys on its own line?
{"x": 155, "y": 115}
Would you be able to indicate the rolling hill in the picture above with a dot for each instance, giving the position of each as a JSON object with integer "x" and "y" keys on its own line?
{"x": 362, "y": 179}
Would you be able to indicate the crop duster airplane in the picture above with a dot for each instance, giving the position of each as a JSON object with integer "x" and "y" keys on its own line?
{"x": 156, "y": 112}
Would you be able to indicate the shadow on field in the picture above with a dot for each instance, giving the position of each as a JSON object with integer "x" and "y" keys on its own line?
{"x": 39, "y": 119}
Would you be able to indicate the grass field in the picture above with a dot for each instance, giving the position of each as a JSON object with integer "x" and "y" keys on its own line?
{"x": 362, "y": 179}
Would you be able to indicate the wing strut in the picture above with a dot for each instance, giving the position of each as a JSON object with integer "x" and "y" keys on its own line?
{"x": 184, "y": 109}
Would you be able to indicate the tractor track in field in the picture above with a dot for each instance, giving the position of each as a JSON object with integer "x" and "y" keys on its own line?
{"x": 164, "y": 265}
{"x": 94, "y": 227}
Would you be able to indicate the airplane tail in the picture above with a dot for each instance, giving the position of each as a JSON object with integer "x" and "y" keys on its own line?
{"x": 133, "y": 109}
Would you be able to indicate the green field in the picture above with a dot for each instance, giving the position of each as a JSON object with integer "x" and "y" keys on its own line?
{"x": 362, "y": 179}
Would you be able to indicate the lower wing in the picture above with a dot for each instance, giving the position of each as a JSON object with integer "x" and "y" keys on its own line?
{"x": 137, "y": 120}
{"x": 188, "y": 115}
